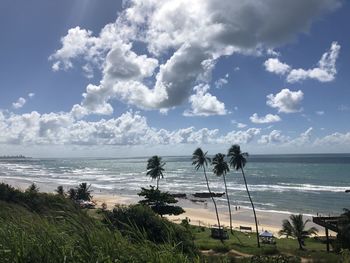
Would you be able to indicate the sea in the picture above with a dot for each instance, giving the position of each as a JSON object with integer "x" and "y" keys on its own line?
{"x": 304, "y": 183}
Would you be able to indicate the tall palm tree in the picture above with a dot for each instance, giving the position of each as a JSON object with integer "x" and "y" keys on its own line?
{"x": 155, "y": 168}
{"x": 200, "y": 159}
{"x": 221, "y": 168}
{"x": 296, "y": 229}
{"x": 238, "y": 161}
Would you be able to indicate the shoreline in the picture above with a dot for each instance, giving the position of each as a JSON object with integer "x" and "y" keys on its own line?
{"x": 199, "y": 213}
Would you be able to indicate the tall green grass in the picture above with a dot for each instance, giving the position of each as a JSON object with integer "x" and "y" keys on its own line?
{"x": 72, "y": 237}
{"x": 39, "y": 227}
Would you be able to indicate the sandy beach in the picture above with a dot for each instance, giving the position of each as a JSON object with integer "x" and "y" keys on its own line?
{"x": 202, "y": 214}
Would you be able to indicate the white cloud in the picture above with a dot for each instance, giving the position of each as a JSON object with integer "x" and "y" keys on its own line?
{"x": 275, "y": 66}
{"x": 31, "y": 95}
{"x": 187, "y": 37}
{"x": 239, "y": 125}
{"x": 205, "y": 104}
{"x": 220, "y": 82}
{"x": 286, "y": 101}
{"x": 275, "y": 137}
{"x": 74, "y": 44}
{"x": 19, "y": 103}
{"x": 127, "y": 129}
{"x": 240, "y": 137}
{"x": 303, "y": 139}
{"x": 272, "y": 52}
{"x": 334, "y": 140}
{"x": 131, "y": 129}
{"x": 325, "y": 71}
{"x": 268, "y": 118}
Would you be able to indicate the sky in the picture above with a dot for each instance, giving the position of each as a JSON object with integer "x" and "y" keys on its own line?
{"x": 91, "y": 78}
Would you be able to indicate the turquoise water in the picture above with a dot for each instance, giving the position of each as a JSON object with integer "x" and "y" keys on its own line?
{"x": 308, "y": 184}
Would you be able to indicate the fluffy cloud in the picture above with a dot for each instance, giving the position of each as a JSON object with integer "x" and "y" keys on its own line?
{"x": 325, "y": 71}
{"x": 19, "y": 103}
{"x": 127, "y": 129}
{"x": 268, "y": 118}
{"x": 275, "y": 66}
{"x": 187, "y": 37}
{"x": 286, "y": 101}
{"x": 205, "y": 104}
{"x": 240, "y": 137}
{"x": 334, "y": 139}
{"x": 275, "y": 137}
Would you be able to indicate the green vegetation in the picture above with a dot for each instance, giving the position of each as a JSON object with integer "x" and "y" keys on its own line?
{"x": 238, "y": 161}
{"x": 245, "y": 243}
{"x": 40, "y": 227}
{"x": 137, "y": 221}
{"x": 155, "y": 168}
{"x": 296, "y": 228}
{"x": 159, "y": 202}
{"x": 82, "y": 192}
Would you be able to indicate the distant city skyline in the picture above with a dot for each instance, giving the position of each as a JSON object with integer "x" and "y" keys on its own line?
{"x": 82, "y": 78}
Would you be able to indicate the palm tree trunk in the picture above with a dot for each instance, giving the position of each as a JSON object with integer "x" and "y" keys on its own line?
{"x": 228, "y": 203}
{"x": 300, "y": 245}
{"x": 251, "y": 201}
{"x": 212, "y": 198}
{"x": 157, "y": 182}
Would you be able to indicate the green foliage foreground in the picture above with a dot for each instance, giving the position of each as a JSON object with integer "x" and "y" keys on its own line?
{"x": 38, "y": 227}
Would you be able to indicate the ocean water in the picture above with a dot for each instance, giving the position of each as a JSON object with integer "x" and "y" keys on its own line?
{"x": 306, "y": 184}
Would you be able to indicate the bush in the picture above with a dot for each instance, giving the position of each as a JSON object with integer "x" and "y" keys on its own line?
{"x": 150, "y": 226}
{"x": 33, "y": 200}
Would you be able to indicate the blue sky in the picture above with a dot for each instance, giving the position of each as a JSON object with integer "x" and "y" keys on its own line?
{"x": 82, "y": 78}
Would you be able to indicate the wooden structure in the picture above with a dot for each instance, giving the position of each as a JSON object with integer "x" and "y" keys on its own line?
{"x": 245, "y": 228}
{"x": 329, "y": 223}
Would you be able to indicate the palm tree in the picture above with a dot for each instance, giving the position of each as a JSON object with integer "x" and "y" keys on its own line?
{"x": 221, "y": 168}
{"x": 155, "y": 168}
{"x": 296, "y": 229}
{"x": 83, "y": 192}
{"x": 238, "y": 161}
{"x": 200, "y": 159}
{"x": 32, "y": 189}
{"x": 60, "y": 190}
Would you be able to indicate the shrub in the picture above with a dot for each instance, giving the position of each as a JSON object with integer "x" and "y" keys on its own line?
{"x": 150, "y": 226}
